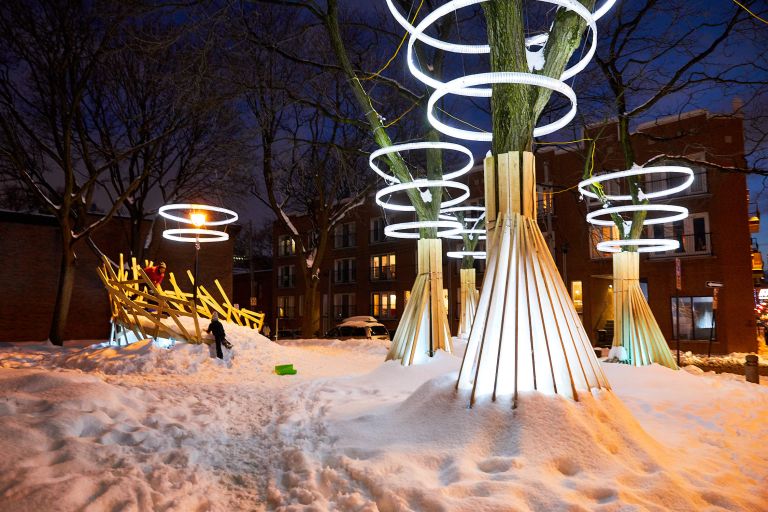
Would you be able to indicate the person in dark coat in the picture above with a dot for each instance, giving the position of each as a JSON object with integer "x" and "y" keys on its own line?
{"x": 218, "y": 334}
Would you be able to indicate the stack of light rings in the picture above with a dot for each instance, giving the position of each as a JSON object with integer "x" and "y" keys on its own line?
{"x": 674, "y": 212}
{"x": 403, "y": 229}
{"x": 468, "y": 86}
{"x": 448, "y": 214}
{"x": 197, "y": 234}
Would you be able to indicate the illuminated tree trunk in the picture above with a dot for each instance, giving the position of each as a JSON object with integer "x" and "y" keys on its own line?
{"x": 468, "y": 304}
{"x": 526, "y": 335}
{"x": 424, "y": 326}
{"x": 635, "y": 330}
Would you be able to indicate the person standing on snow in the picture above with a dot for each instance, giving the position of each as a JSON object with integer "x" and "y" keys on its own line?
{"x": 218, "y": 334}
{"x": 156, "y": 273}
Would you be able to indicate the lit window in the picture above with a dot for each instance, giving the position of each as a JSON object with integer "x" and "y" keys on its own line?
{"x": 383, "y": 267}
{"x": 286, "y": 306}
{"x": 577, "y": 296}
{"x": 286, "y": 246}
{"x": 384, "y": 305}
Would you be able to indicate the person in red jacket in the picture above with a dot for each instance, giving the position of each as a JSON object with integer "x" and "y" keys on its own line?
{"x": 156, "y": 273}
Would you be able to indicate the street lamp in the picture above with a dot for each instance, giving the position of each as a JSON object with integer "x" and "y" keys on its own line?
{"x": 199, "y": 219}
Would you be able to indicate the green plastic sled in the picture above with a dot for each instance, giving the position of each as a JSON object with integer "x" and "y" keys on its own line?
{"x": 285, "y": 369}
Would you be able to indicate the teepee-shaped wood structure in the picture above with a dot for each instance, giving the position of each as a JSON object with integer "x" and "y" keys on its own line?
{"x": 526, "y": 335}
{"x": 468, "y": 301}
{"x": 424, "y": 326}
{"x": 635, "y": 330}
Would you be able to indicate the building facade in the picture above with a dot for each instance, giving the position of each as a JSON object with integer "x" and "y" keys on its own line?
{"x": 715, "y": 239}
{"x": 366, "y": 273}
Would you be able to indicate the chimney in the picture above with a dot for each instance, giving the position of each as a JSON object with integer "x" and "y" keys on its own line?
{"x": 737, "y": 104}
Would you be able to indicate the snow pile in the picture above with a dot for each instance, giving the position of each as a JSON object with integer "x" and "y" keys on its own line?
{"x": 71, "y": 441}
{"x": 732, "y": 360}
{"x": 380, "y": 347}
{"x": 149, "y": 429}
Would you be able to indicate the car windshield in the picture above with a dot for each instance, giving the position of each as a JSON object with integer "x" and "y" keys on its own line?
{"x": 348, "y": 330}
{"x": 378, "y": 330}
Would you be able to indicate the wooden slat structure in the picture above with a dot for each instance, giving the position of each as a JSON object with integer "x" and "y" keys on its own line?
{"x": 424, "y": 326}
{"x": 635, "y": 327}
{"x": 149, "y": 311}
{"x": 526, "y": 335}
{"x": 468, "y": 301}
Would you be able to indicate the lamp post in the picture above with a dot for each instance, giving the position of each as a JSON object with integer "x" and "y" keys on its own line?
{"x": 201, "y": 230}
{"x": 198, "y": 220}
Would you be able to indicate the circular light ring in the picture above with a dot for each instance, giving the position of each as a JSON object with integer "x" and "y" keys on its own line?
{"x": 200, "y": 235}
{"x": 463, "y": 86}
{"x": 444, "y": 213}
{"x": 638, "y": 171}
{"x": 397, "y": 187}
{"x": 397, "y": 230}
{"x": 230, "y": 215}
{"x": 417, "y": 33}
{"x": 480, "y": 255}
{"x": 678, "y": 213}
{"x": 468, "y": 231}
{"x": 422, "y": 145}
{"x": 643, "y": 244}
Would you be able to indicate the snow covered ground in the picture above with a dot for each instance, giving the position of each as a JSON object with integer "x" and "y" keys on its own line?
{"x": 145, "y": 428}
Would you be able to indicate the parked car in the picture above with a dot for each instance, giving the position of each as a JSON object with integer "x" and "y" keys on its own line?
{"x": 362, "y": 327}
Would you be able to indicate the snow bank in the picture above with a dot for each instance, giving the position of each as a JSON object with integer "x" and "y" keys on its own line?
{"x": 73, "y": 442}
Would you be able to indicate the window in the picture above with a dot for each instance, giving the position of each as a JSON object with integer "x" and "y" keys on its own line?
{"x": 692, "y": 234}
{"x": 286, "y": 306}
{"x": 696, "y": 318}
{"x": 599, "y": 234}
{"x": 577, "y": 296}
{"x": 343, "y": 305}
{"x": 383, "y": 267}
{"x": 377, "y": 230}
{"x": 344, "y": 236}
{"x": 286, "y": 245}
{"x": 286, "y": 276}
{"x": 344, "y": 270}
{"x": 663, "y": 181}
{"x": 384, "y": 305}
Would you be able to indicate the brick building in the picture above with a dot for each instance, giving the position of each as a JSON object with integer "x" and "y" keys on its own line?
{"x": 30, "y": 250}
{"x": 366, "y": 273}
{"x": 715, "y": 239}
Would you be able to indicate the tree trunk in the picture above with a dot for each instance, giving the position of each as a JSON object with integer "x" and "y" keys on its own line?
{"x": 423, "y": 327}
{"x": 310, "y": 320}
{"x": 635, "y": 330}
{"x": 526, "y": 335}
{"x": 468, "y": 304}
{"x": 63, "y": 292}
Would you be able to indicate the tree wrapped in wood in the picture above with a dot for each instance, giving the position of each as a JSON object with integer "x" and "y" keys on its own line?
{"x": 526, "y": 335}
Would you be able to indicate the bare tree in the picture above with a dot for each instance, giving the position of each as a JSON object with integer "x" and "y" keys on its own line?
{"x": 51, "y": 53}
{"x": 310, "y": 167}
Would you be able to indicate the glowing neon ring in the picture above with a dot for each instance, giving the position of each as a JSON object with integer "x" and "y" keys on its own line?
{"x": 480, "y": 255}
{"x": 637, "y": 172}
{"x": 458, "y": 209}
{"x": 463, "y": 87}
{"x": 468, "y": 231}
{"x": 644, "y": 244}
{"x": 396, "y": 230}
{"x": 679, "y": 213}
{"x": 437, "y": 43}
{"x": 422, "y": 145}
{"x": 231, "y": 216}
{"x": 208, "y": 235}
{"x": 418, "y": 31}
{"x": 421, "y": 184}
